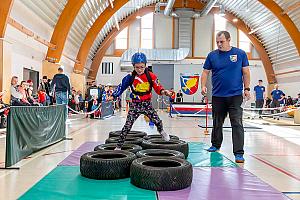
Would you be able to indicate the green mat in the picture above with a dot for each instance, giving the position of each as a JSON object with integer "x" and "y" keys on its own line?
{"x": 199, "y": 157}
{"x": 65, "y": 182}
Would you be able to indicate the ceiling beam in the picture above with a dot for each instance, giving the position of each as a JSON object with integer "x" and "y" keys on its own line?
{"x": 62, "y": 29}
{"x": 5, "y": 7}
{"x": 93, "y": 32}
{"x": 29, "y": 33}
{"x": 111, "y": 36}
{"x": 285, "y": 20}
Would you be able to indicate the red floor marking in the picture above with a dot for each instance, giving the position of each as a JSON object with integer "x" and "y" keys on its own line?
{"x": 275, "y": 167}
{"x": 46, "y": 154}
{"x": 257, "y": 154}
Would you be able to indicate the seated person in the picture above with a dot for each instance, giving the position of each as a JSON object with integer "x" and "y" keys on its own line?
{"x": 16, "y": 96}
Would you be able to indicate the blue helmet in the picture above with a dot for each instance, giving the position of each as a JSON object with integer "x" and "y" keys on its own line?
{"x": 138, "y": 58}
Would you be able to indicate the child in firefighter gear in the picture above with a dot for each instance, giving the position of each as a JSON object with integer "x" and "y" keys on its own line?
{"x": 141, "y": 81}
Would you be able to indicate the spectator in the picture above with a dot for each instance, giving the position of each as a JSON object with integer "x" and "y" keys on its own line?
{"x": 42, "y": 97}
{"x": 172, "y": 97}
{"x": 77, "y": 100}
{"x": 268, "y": 102}
{"x": 179, "y": 96}
{"x": 22, "y": 89}
{"x": 259, "y": 94}
{"x": 276, "y": 98}
{"x": 45, "y": 84}
{"x": 90, "y": 93}
{"x": 128, "y": 98}
{"x": 289, "y": 101}
{"x": 94, "y": 107}
{"x": 62, "y": 87}
{"x": 283, "y": 100}
{"x": 298, "y": 100}
{"x": 16, "y": 96}
{"x": 29, "y": 92}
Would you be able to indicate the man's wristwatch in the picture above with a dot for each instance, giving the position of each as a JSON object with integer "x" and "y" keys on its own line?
{"x": 248, "y": 89}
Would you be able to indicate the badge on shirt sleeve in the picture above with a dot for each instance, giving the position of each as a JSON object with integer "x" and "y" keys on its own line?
{"x": 233, "y": 58}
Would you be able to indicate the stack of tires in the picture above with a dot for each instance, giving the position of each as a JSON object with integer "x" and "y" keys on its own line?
{"x": 149, "y": 161}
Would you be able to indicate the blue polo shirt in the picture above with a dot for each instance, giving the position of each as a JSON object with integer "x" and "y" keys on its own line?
{"x": 227, "y": 75}
{"x": 276, "y": 94}
{"x": 259, "y": 92}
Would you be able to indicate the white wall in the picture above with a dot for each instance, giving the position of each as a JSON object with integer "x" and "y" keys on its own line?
{"x": 115, "y": 78}
{"x": 163, "y": 29}
{"x": 233, "y": 33}
{"x": 134, "y": 34}
{"x": 203, "y": 36}
{"x": 26, "y": 52}
{"x": 290, "y": 89}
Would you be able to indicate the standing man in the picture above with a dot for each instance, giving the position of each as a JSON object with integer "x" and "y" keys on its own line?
{"x": 277, "y": 96}
{"x": 61, "y": 85}
{"x": 230, "y": 70}
{"x": 260, "y": 94}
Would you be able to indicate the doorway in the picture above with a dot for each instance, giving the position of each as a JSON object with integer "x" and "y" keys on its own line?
{"x": 29, "y": 74}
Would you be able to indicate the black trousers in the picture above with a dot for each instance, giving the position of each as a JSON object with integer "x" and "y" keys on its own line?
{"x": 221, "y": 106}
{"x": 135, "y": 110}
{"x": 275, "y": 104}
{"x": 259, "y": 103}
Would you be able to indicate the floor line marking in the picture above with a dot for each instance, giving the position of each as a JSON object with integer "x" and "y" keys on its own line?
{"x": 277, "y": 168}
{"x": 46, "y": 154}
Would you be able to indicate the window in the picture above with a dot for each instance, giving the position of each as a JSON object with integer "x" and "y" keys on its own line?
{"x": 121, "y": 39}
{"x": 220, "y": 25}
{"x": 107, "y": 68}
{"x": 147, "y": 31}
{"x": 244, "y": 42}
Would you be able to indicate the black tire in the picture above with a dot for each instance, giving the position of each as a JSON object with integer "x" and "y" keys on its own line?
{"x": 160, "y": 153}
{"x": 161, "y": 174}
{"x": 106, "y": 165}
{"x": 133, "y": 148}
{"x": 158, "y": 136}
{"x": 177, "y": 145}
{"x": 140, "y": 134}
{"x": 128, "y": 140}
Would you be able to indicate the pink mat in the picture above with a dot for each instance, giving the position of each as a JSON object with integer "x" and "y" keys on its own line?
{"x": 224, "y": 183}
{"x": 74, "y": 158}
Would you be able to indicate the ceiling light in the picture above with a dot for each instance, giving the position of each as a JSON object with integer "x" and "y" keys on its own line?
{"x": 235, "y": 20}
{"x": 138, "y": 17}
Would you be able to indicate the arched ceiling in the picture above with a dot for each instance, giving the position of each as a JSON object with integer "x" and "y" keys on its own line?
{"x": 265, "y": 23}
{"x": 49, "y": 10}
{"x": 124, "y": 12}
{"x": 268, "y": 29}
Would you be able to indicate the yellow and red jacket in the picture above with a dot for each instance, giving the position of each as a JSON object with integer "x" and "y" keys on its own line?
{"x": 141, "y": 85}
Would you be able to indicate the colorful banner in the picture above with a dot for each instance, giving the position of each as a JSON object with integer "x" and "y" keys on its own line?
{"x": 189, "y": 83}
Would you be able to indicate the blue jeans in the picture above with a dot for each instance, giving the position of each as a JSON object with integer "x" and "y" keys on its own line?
{"x": 61, "y": 97}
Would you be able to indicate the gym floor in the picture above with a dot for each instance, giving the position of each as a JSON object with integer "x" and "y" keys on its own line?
{"x": 272, "y": 153}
